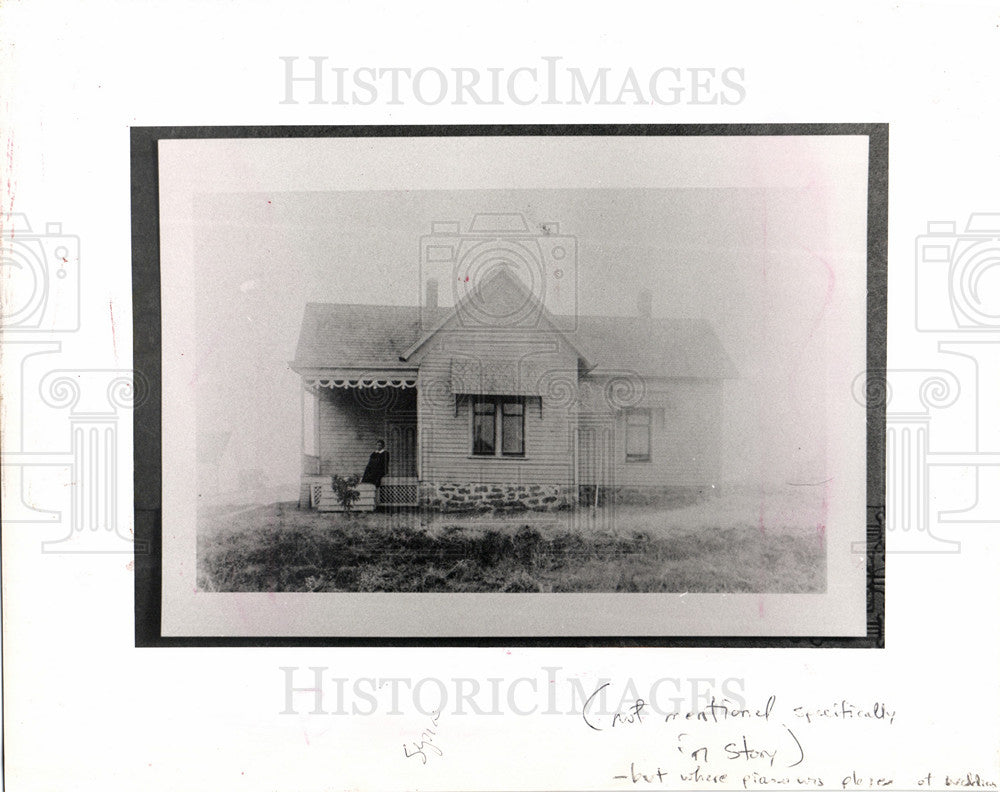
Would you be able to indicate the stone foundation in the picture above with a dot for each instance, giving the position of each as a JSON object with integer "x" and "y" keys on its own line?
{"x": 495, "y": 497}
{"x": 670, "y": 497}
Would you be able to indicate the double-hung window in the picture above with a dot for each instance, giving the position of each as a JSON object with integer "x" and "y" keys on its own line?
{"x": 498, "y": 426}
{"x": 638, "y": 425}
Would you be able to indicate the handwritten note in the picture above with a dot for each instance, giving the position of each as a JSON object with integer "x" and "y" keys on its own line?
{"x": 426, "y": 743}
{"x": 755, "y": 745}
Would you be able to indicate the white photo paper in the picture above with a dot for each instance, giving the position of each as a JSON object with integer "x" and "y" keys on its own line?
{"x": 446, "y": 397}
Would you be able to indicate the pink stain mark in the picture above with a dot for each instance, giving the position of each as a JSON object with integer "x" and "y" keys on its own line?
{"x": 114, "y": 340}
{"x": 10, "y": 180}
{"x": 241, "y": 612}
{"x": 764, "y": 240}
{"x": 130, "y": 566}
{"x": 821, "y": 529}
{"x": 760, "y": 607}
{"x": 194, "y": 376}
{"x": 831, "y": 281}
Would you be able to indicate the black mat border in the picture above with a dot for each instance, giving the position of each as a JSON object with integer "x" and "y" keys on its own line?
{"x": 147, "y": 363}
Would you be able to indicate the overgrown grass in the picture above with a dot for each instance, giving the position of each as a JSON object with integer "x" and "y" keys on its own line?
{"x": 282, "y": 548}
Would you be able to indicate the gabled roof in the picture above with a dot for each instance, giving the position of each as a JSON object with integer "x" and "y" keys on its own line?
{"x": 500, "y": 301}
{"x": 652, "y": 347}
{"x": 376, "y": 336}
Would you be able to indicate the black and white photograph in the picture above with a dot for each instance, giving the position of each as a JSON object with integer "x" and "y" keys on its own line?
{"x": 444, "y": 396}
{"x": 526, "y": 375}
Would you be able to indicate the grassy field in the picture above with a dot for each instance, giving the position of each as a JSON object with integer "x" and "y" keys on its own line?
{"x": 740, "y": 543}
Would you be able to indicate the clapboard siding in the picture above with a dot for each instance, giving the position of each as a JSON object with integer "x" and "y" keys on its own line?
{"x": 446, "y": 425}
{"x": 684, "y": 438}
{"x": 350, "y": 425}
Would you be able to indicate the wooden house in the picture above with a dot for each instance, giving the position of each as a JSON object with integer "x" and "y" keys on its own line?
{"x": 494, "y": 403}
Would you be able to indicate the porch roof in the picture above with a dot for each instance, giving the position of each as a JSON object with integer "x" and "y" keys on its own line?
{"x": 365, "y": 377}
{"x": 358, "y": 336}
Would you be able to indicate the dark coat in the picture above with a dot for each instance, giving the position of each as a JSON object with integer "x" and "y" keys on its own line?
{"x": 378, "y": 466}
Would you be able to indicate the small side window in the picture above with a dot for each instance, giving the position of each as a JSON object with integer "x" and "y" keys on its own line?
{"x": 638, "y": 429}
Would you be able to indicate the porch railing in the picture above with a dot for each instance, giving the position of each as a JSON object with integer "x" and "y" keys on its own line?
{"x": 398, "y": 491}
{"x": 317, "y": 493}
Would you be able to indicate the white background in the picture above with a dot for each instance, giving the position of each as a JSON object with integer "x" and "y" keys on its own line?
{"x": 86, "y": 710}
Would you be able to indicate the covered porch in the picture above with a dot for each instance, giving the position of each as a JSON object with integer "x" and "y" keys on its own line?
{"x": 344, "y": 414}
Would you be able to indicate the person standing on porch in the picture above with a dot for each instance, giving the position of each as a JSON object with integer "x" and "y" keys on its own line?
{"x": 378, "y": 465}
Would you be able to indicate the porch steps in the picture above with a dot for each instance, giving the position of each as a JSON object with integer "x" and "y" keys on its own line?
{"x": 316, "y": 492}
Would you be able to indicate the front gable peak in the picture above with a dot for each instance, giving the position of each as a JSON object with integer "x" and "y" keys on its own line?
{"x": 498, "y": 301}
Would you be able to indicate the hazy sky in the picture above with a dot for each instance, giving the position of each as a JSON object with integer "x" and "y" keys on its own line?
{"x": 766, "y": 264}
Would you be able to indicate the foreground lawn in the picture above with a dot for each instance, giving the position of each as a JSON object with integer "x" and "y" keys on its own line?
{"x": 714, "y": 547}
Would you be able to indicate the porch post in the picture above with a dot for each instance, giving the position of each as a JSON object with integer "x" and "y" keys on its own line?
{"x": 317, "y": 451}
{"x": 575, "y": 439}
{"x": 304, "y": 494}
{"x": 418, "y": 440}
